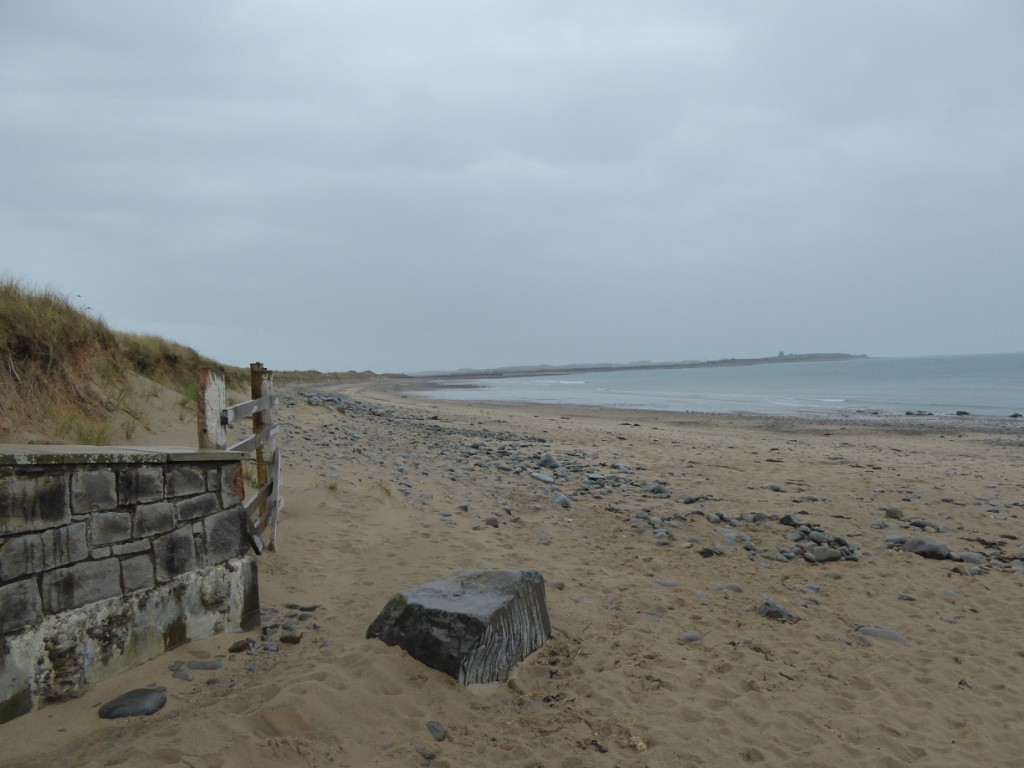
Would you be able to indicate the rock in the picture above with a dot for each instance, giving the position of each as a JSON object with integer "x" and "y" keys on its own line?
{"x": 893, "y": 513}
{"x": 692, "y": 636}
{"x": 205, "y": 665}
{"x": 974, "y": 558}
{"x": 791, "y": 520}
{"x": 474, "y": 626}
{"x": 772, "y": 610}
{"x": 141, "y": 701}
{"x": 561, "y": 500}
{"x": 547, "y": 461}
{"x": 925, "y": 547}
{"x": 242, "y": 646}
{"x": 823, "y": 554}
{"x": 438, "y": 731}
{"x": 543, "y": 477}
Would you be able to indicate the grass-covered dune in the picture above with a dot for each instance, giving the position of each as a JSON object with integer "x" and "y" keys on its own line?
{"x": 66, "y": 376}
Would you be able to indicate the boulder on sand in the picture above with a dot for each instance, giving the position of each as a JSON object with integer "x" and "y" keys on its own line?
{"x": 474, "y": 626}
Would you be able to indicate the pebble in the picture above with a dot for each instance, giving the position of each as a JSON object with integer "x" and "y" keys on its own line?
{"x": 141, "y": 701}
{"x": 925, "y": 547}
{"x": 204, "y": 665}
{"x": 773, "y": 610}
{"x": 689, "y": 637}
{"x": 438, "y": 731}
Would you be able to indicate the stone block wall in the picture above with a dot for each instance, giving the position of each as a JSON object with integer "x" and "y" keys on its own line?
{"x": 151, "y": 544}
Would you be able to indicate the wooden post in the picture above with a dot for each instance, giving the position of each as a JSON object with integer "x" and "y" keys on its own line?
{"x": 262, "y": 385}
{"x": 210, "y": 401}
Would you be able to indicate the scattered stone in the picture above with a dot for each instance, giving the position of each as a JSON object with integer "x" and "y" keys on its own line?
{"x": 242, "y": 646}
{"x": 543, "y": 477}
{"x": 974, "y": 558}
{"x": 492, "y": 521}
{"x": 140, "y": 702}
{"x": 205, "y": 666}
{"x": 438, "y": 731}
{"x": 547, "y": 461}
{"x": 773, "y": 610}
{"x": 292, "y": 637}
{"x": 919, "y": 545}
{"x": 562, "y": 500}
{"x": 689, "y": 637}
{"x": 183, "y": 674}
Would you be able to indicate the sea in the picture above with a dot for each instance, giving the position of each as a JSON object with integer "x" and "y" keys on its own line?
{"x": 987, "y": 387}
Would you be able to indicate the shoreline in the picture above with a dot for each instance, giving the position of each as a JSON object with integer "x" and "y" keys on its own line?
{"x": 904, "y": 421}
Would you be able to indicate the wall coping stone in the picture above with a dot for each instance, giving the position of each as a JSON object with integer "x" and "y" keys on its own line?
{"x": 21, "y": 455}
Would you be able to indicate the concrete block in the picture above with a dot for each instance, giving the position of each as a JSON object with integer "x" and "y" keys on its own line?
{"x": 225, "y": 536}
{"x": 474, "y": 626}
{"x": 140, "y": 485}
{"x": 174, "y": 554}
{"x": 197, "y": 506}
{"x": 81, "y": 584}
{"x": 232, "y": 485}
{"x": 63, "y": 546}
{"x": 183, "y": 481}
{"x": 33, "y": 502}
{"x": 151, "y": 519}
{"x": 109, "y": 527}
{"x": 137, "y": 573}
{"x": 20, "y": 556}
{"x": 20, "y": 606}
{"x": 93, "y": 491}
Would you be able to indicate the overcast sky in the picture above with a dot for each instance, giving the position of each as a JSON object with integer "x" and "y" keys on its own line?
{"x": 409, "y": 186}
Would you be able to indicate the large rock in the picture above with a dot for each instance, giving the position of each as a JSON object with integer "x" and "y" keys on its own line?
{"x": 474, "y": 626}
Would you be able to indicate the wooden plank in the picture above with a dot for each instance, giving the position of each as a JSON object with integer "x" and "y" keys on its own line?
{"x": 244, "y": 410}
{"x": 253, "y": 443}
{"x": 256, "y": 501}
{"x": 210, "y": 401}
{"x": 275, "y": 499}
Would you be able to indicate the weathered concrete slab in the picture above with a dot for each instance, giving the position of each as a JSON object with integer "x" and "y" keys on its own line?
{"x": 474, "y": 626}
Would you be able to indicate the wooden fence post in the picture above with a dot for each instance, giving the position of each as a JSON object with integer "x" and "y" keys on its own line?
{"x": 262, "y": 384}
{"x": 210, "y": 401}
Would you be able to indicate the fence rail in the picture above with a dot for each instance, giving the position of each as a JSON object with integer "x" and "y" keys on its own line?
{"x": 263, "y": 509}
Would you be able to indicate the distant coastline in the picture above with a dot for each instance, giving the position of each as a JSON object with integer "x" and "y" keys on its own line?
{"x": 556, "y": 370}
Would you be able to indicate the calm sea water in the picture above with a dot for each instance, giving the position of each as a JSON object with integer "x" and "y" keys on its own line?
{"x": 990, "y": 386}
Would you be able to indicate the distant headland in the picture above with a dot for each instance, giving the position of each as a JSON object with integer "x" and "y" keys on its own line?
{"x": 555, "y": 370}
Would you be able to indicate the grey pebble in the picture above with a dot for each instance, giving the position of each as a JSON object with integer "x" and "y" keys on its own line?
{"x": 141, "y": 701}
{"x": 438, "y": 731}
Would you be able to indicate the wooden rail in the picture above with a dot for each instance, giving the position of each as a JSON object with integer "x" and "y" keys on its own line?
{"x": 261, "y": 510}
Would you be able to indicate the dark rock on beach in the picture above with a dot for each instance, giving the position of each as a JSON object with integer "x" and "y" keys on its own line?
{"x": 140, "y": 702}
{"x": 474, "y": 626}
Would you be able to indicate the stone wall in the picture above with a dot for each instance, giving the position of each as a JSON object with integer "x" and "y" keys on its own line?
{"x": 110, "y": 557}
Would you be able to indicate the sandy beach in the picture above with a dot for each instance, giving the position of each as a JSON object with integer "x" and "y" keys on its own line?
{"x": 674, "y": 532}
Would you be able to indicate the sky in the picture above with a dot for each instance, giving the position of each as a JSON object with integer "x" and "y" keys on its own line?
{"x": 410, "y": 186}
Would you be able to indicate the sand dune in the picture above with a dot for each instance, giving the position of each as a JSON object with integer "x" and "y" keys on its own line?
{"x": 660, "y": 656}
